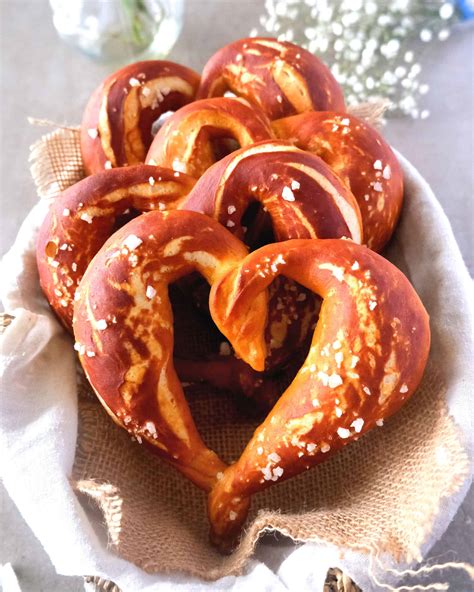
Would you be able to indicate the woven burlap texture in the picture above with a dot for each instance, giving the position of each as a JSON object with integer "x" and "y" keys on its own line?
{"x": 380, "y": 494}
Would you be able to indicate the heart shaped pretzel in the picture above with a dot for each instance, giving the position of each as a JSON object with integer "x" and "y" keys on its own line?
{"x": 123, "y": 324}
{"x": 83, "y": 217}
{"x": 277, "y": 76}
{"x": 367, "y": 357}
{"x": 185, "y": 141}
{"x": 116, "y": 128}
{"x": 362, "y": 159}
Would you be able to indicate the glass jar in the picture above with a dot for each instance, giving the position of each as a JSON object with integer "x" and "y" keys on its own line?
{"x": 119, "y": 30}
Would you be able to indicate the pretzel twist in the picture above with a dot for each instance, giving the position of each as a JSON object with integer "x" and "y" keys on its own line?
{"x": 123, "y": 322}
{"x": 367, "y": 357}
{"x": 303, "y": 199}
{"x": 116, "y": 129}
{"x": 277, "y": 76}
{"x": 85, "y": 215}
{"x": 185, "y": 141}
{"x": 361, "y": 158}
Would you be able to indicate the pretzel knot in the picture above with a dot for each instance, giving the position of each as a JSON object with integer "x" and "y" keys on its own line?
{"x": 367, "y": 357}
{"x": 301, "y": 198}
{"x": 123, "y": 323}
{"x": 277, "y": 76}
{"x": 85, "y": 215}
{"x": 116, "y": 128}
{"x": 189, "y": 139}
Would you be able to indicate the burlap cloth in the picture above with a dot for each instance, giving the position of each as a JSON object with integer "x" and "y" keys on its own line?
{"x": 381, "y": 493}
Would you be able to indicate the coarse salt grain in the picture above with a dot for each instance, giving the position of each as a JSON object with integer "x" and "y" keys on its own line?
{"x": 379, "y": 422}
{"x": 132, "y": 242}
{"x": 295, "y": 185}
{"x": 274, "y": 457}
{"x": 354, "y": 361}
{"x": 74, "y": 266}
{"x": 150, "y": 427}
{"x": 134, "y": 82}
{"x": 378, "y": 186}
{"x": 101, "y": 324}
{"x": 151, "y": 180}
{"x": 339, "y": 357}
{"x": 230, "y": 223}
{"x": 343, "y": 433}
{"x": 387, "y": 172}
{"x": 92, "y": 133}
{"x": 259, "y": 450}
{"x": 355, "y": 266}
{"x": 338, "y": 411}
{"x": 277, "y": 472}
{"x": 372, "y": 304}
{"x": 232, "y": 515}
{"x": 150, "y": 292}
{"x": 219, "y": 475}
{"x": 66, "y": 212}
{"x": 87, "y": 218}
{"x": 378, "y": 165}
{"x": 231, "y": 209}
{"x": 366, "y": 390}
{"x": 357, "y": 424}
{"x": 336, "y": 344}
{"x": 90, "y": 354}
{"x": 345, "y": 121}
{"x": 108, "y": 164}
{"x": 287, "y": 194}
{"x": 325, "y": 448}
{"x": 334, "y": 380}
{"x": 311, "y": 447}
{"x": 404, "y": 388}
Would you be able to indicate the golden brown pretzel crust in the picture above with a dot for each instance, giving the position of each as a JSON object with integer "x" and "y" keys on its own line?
{"x": 303, "y": 198}
{"x": 123, "y": 323}
{"x": 184, "y": 142}
{"x": 116, "y": 126}
{"x": 367, "y": 357}
{"x": 277, "y": 76}
{"x": 361, "y": 157}
{"x": 85, "y": 215}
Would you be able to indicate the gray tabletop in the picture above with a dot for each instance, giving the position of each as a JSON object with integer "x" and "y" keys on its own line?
{"x": 44, "y": 78}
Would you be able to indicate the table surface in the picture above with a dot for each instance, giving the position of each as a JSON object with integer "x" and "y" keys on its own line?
{"x": 44, "y": 78}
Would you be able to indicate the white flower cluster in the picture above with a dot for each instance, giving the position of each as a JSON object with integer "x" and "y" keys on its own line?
{"x": 371, "y": 46}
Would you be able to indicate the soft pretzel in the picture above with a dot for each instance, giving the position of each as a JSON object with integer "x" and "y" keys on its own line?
{"x": 361, "y": 157}
{"x": 184, "y": 142}
{"x": 123, "y": 325}
{"x": 366, "y": 359}
{"x": 277, "y": 76}
{"x": 303, "y": 199}
{"x": 86, "y": 214}
{"x": 116, "y": 129}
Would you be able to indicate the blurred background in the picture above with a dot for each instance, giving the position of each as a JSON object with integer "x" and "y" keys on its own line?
{"x": 419, "y": 54}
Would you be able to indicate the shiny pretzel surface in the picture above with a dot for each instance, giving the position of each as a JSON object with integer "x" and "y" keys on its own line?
{"x": 277, "y": 76}
{"x": 85, "y": 215}
{"x": 116, "y": 128}
{"x": 123, "y": 325}
{"x": 367, "y": 357}
{"x": 185, "y": 141}
{"x": 362, "y": 159}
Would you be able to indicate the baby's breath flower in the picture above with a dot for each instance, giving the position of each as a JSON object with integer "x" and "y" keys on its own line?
{"x": 370, "y": 46}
